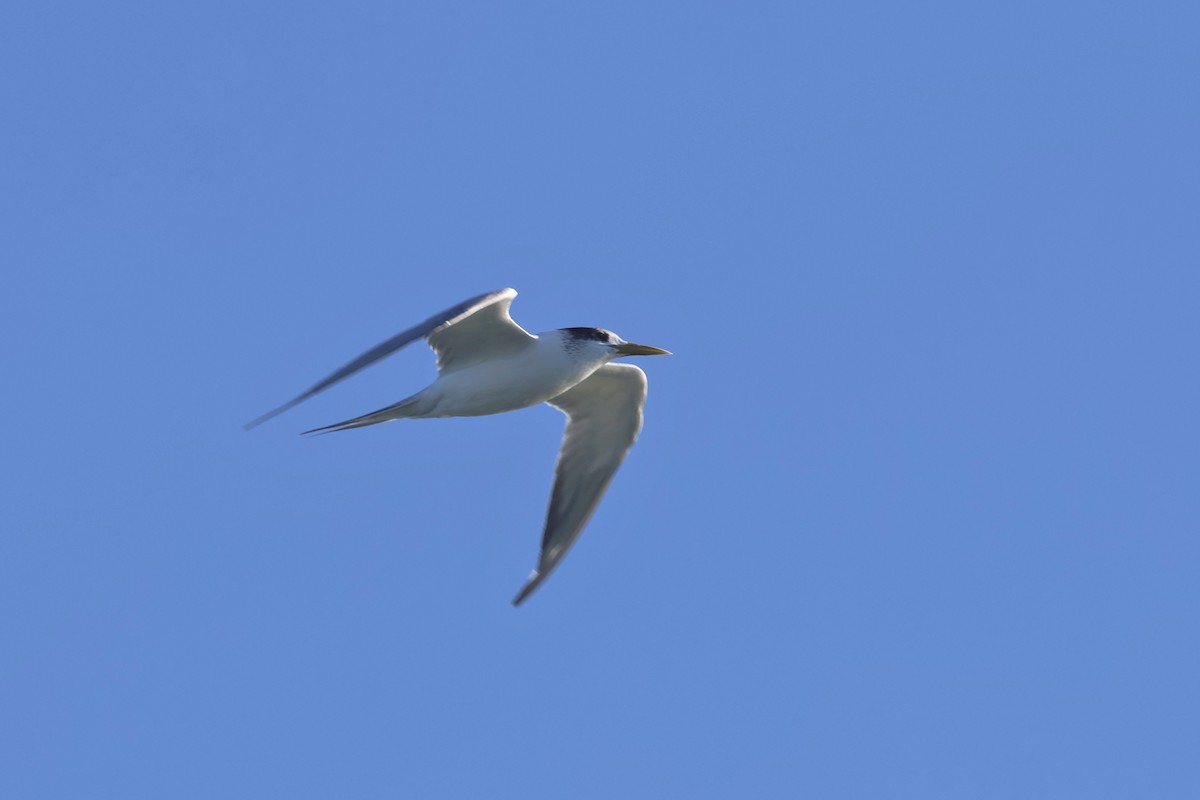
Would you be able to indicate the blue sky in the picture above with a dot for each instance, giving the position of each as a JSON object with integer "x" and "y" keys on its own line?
{"x": 914, "y": 512}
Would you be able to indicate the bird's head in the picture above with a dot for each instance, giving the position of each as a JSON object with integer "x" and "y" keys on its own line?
{"x": 609, "y": 343}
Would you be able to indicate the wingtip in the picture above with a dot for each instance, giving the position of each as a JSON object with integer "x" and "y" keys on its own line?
{"x": 535, "y": 580}
{"x": 275, "y": 412}
{"x": 254, "y": 423}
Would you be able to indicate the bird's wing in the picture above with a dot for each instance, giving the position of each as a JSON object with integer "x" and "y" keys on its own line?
{"x": 484, "y": 305}
{"x": 604, "y": 416}
{"x": 487, "y": 333}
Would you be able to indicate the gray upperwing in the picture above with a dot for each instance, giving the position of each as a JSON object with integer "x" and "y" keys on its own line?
{"x": 397, "y": 342}
{"x": 604, "y": 417}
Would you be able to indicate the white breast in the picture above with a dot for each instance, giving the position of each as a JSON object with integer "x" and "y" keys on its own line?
{"x": 537, "y": 373}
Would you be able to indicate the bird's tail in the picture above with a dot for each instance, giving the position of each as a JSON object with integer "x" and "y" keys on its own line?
{"x": 394, "y": 411}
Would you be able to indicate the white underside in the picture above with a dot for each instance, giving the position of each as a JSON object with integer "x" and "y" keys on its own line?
{"x": 533, "y": 375}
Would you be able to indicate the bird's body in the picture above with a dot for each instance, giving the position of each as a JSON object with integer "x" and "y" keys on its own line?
{"x": 543, "y": 369}
{"x": 487, "y": 364}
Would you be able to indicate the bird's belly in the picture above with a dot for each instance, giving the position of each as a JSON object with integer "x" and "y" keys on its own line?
{"x": 499, "y": 386}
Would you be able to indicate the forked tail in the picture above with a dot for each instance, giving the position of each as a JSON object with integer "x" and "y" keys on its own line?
{"x": 394, "y": 411}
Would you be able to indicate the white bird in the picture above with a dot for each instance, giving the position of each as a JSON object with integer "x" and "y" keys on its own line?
{"x": 488, "y": 364}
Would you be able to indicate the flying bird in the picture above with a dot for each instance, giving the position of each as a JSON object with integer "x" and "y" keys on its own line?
{"x": 488, "y": 364}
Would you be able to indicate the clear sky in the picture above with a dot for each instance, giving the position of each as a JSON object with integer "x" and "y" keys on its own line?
{"x": 914, "y": 513}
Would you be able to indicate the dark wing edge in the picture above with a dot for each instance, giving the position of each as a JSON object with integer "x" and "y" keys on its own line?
{"x": 385, "y": 349}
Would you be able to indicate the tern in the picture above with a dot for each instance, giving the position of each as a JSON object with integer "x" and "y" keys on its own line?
{"x": 488, "y": 364}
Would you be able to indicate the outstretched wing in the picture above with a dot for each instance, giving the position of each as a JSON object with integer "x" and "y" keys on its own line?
{"x": 604, "y": 416}
{"x": 492, "y": 307}
{"x": 485, "y": 334}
